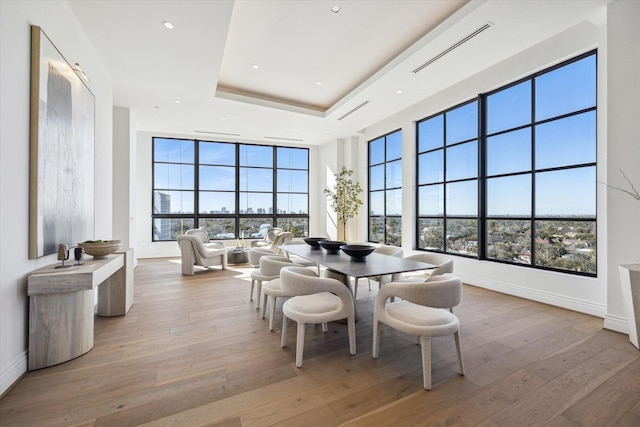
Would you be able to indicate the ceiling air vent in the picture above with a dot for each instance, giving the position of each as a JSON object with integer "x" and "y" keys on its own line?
{"x": 354, "y": 110}
{"x": 283, "y": 139}
{"x": 453, "y": 46}
{"x": 217, "y": 133}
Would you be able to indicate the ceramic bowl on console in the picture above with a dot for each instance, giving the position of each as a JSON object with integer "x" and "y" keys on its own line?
{"x": 331, "y": 246}
{"x": 100, "y": 248}
{"x": 313, "y": 241}
{"x": 357, "y": 252}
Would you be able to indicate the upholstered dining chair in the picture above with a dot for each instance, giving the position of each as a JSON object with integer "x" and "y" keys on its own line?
{"x": 426, "y": 311}
{"x": 271, "y": 266}
{"x": 316, "y": 300}
{"x": 268, "y": 238}
{"x": 255, "y": 253}
{"x": 384, "y": 250}
{"x": 196, "y": 249}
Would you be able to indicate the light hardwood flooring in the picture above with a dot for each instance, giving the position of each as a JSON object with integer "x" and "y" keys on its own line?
{"x": 194, "y": 351}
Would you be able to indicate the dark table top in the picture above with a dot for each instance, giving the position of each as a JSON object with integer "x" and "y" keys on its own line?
{"x": 375, "y": 264}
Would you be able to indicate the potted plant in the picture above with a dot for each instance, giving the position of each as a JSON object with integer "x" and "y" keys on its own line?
{"x": 344, "y": 197}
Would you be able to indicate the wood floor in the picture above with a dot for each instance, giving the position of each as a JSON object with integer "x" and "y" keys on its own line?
{"x": 194, "y": 351}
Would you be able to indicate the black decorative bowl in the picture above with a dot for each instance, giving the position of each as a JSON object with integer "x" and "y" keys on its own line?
{"x": 357, "y": 252}
{"x": 313, "y": 241}
{"x": 331, "y": 246}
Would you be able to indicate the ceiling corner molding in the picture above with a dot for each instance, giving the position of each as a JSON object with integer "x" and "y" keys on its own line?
{"x": 233, "y": 95}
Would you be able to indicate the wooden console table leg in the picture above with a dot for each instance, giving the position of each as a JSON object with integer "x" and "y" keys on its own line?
{"x": 115, "y": 294}
{"x": 60, "y": 327}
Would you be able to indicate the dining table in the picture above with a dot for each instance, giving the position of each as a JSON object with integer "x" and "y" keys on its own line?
{"x": 346, "y": 267}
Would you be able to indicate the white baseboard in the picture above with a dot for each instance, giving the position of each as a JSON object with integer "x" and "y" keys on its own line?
{"x": 575, "y": 304}
{"x": 616, "y": 323}
{"x": 9, "y": 376}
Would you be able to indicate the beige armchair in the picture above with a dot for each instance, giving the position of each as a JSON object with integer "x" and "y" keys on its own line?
{"x": 316, "y": 300}
{"x": 197, "y": 249}
{"x": 426, "y": 311}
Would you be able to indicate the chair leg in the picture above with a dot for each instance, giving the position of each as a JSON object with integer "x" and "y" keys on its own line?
{"x": 456, "y": 335}
{"x": 272, "y": 308}
{"x": 351, "y": 326}
{"x": 285, "y": 329}
{"x": 426, "y": 361}
{"x": 325, "y": 327}
{"x": 263, "y": 298}
{"x": 376, "y": 339}
{"x": 355, "y": 289}
{"x": 253, "y": 283}
{"x": 258, "y": 293}
{"x": 300, "y": 344}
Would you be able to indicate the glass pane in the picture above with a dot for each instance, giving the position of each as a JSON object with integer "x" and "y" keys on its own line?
{"x": 173, "y": 150}
{"x": 394, "y": 202}
{"x": 509, "y": 196}
{"x": 376, "y": 151}
{"x": 431, "y": 167}
{"x": 376, "y": 229}
{"x": 431, "y": 200}
{"x": 462, "y": 236}
{"x": 253, "y": 179}
{"x": 293, "y": 180}
{"x": 431, "y": 234}
{"x": 217, "y": 202}
{"x": 376, "y": 203}
{"x": 462, "y": 161}
{"x": 219, "y": 228}
{"x": 509, "y": 108}
{"x": 509, "y": 152}
{"x": 394, "y": 145}
{"x": 173, "y": 202}
{"x": 256, "y": 155}
{"x": 254, "y": 228}
{"x": 394, "y": 231}
{"x": 567, "y": 89}
{"x": 376, "y": 177}
{"x": 217, "y": 153}
{"x": 566, "y": 193}
{"x": 509, "y": 240}
{"x": 170, "y": 228}
{"x": 394, "y": 174}
{"x": 431, "y": 133}
{"x": 298, "y": 226}
{"x": 462, "y": 123}
{"x": 217, "y": 178}
{"x": 462, "y": 198}
{"x": 173, "y": 176}
{"x": 566, "y": 245}
{"x": 567, "y": 141}
{"x": 293, "y": 158}
{"x": 256, "y": 203}
{"x": 292, "y": 203}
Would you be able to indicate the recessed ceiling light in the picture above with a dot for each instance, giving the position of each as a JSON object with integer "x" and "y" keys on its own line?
{"x": 318, "y": 82}
{"x": 168, "y": 25}
{"x": 399, "y": 91}
{"x": 335, "y": 9}
{"x": 177, "y": 101}
{"x": 255, "y": 66}
{"x": 223, "y": 118}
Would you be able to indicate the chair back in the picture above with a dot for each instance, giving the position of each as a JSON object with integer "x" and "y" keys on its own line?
{"x": 304, "y": 281}
{"x": 438, "y": 292}
{"x": 272, "y": 234}
{"x": 281, "y": 239}
{"x": 389, "y": 250}
{"x": 270, "y": 265}
{"x": 200, "y": 233}
{"x": 443, "y": 262}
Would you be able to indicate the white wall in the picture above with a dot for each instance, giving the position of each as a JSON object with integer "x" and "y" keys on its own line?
{"x": 59, "y": 23}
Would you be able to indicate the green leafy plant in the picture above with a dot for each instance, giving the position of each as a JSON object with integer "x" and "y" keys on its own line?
{"x": 344, "y": 197}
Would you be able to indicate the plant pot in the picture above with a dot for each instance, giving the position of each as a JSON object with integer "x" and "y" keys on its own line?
{"x": 630, "y": 281}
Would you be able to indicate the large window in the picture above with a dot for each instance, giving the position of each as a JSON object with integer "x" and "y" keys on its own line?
{"x": 525, "y": 191}
{"x": 232, "y": 190}
{"x": 385, "y": 189}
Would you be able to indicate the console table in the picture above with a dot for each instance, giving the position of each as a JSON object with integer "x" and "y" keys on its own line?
{"x": 61, "y": 305}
